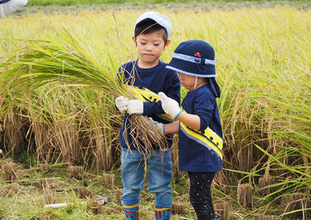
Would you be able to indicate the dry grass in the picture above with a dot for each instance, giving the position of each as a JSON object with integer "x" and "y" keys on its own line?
{"x": 145, "y": 135}
{"x": 96, "y": 207}
{"x": 245, "y": 195}
{"x": 84, "y": 193}
{"x": 45, "y": 183}
{"x": 49, "y": 195}
{"x": 179, "y": 208}
{"x": 45, "y": 167}
{"x": 15, "y": 132}
{"x": 10, "y": 170}
{"x": 10, "y": 189}
{"x": 296, "y": 205}
{"x": 108, "y": 179}
{"x": 268, "y": 217}
{"x": 222, "y": 210}
{"x": 76, "y": 172}
{"x": 264, "y": 184}
{"x": 118, "y": 194}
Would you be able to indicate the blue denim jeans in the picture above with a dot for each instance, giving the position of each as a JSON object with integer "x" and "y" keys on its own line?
{"x": 159, "y": 166}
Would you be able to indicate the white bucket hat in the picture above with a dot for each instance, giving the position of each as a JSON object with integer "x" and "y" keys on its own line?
{"x": 162, "y": 20}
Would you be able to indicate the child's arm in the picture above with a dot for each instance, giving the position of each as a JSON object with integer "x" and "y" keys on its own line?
{"x": 171, "y": 107}
{"x": 171, "y": 128}
{"x": 192, "y": 121}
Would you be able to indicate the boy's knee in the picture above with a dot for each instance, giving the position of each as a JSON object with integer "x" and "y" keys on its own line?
{"x": 159, "y": 188}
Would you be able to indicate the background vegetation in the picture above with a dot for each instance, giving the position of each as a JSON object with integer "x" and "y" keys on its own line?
{"x": 90, "y": 2}
{"x": 60, "y": 138}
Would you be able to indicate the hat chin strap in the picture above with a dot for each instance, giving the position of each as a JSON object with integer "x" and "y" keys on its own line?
{"x": 195, "y": 83}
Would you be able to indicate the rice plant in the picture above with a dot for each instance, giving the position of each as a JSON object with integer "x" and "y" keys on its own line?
{"x": 67, "y": 64}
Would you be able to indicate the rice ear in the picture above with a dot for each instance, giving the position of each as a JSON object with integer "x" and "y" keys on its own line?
{"x": 144, "y": 132}
{"x": 66, "y": 60}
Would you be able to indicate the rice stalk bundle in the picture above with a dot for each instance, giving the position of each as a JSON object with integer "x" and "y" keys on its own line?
{"x": 265, "y": 184}
{"x": 296, "y": 205}
{"x": 178, "y": 208}
{"x": 108, "y": 179}
{"x": 101, "y": 138}
{"x": 10, "y": 171}
{"x": 44, "y": 183}
{"x": 45, "y": 168}
{"x": 245, "y": 195}
{"x": 67, "y": 139}
{"x": 84, "y": 192}
{"x": 42, "y": 133}
{"x": 174, "y": 152}
{"x": 222, "y": 210}
{"x": 76, "y": 172}
{"x": 95, "y": 206}
{"x": 118, "y": 193}
{"x": 72, "y": 63}
{"x": 14, "y": 131}
{"x": 10, "y": 190}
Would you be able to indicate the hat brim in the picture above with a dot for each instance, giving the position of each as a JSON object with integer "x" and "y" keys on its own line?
{"x": 192, "y": 69}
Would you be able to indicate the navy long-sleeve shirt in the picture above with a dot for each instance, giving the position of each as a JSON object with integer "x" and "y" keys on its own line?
{"x": 157, "y": 79}
{"x": 201, "y": 150}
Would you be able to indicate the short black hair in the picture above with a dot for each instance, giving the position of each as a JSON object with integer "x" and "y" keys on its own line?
{"x": 149, "y": 26}
{"x": 206, "y": 80}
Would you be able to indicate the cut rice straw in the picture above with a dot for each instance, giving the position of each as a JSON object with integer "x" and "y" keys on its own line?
{"x": 73, "y": 63}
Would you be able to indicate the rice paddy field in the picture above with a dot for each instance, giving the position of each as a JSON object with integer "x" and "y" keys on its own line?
{"x": 59, "y": 127}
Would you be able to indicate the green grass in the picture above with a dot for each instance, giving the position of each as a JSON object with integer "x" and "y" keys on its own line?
{"x": 26, "y": 197}
{"x": 93, "y": 2}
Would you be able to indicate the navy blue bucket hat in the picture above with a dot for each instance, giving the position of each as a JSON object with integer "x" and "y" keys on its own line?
{"x": 196, "y": 58}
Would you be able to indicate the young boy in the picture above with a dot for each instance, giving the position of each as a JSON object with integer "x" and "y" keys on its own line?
{"x": 151, "y": 38}
{"x": 198, "y": 124}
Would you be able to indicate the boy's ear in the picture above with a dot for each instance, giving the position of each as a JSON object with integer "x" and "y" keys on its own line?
{"x": 167, "y": 43}
{"x": 134, "y": 40}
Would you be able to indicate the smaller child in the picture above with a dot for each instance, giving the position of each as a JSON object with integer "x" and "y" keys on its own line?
{"x": 198, "y": 124}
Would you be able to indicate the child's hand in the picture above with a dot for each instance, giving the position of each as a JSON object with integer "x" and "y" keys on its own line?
{"x": 170, "y": 106}
{"x": 159, "y": 125}
{"x": 135, "y": 107}
{"x": 121, "y": 103}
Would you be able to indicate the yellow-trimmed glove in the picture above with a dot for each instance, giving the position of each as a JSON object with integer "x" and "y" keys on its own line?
{"x": 169, "y": 105}
{"x": 121, "y": 103}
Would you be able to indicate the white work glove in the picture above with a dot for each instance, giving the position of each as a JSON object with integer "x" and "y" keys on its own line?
{"x": 170, "y": 106}
{"x": 135, "y": 106}
{"x": 121, "y": 103}
{"x": 159, "y": 125}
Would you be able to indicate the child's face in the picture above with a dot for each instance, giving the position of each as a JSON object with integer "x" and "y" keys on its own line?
{"x": 150, "y": 47}
{"x": 189, "y": 81}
